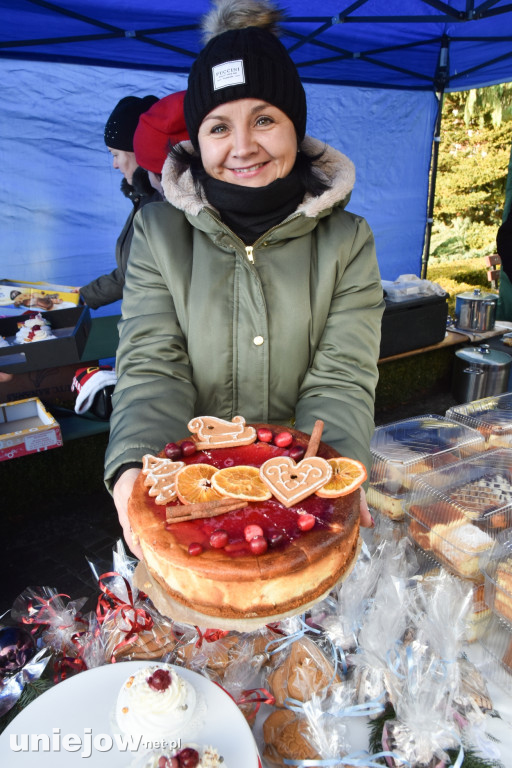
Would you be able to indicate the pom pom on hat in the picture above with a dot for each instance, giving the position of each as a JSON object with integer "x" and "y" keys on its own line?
{"x": 121, "y": 124}
{"x": 87, "y": 382}
{"x": 245, "y": 60}
{"x": 159, "y": 128}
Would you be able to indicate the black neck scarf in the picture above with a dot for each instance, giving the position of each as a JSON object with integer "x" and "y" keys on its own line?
{"x": 251, "y": 211}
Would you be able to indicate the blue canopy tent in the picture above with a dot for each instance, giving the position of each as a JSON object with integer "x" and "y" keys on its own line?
{"x": 374, "y": 73}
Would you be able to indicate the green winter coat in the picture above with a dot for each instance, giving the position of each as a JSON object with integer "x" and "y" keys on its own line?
{"x": 286, "y": 331}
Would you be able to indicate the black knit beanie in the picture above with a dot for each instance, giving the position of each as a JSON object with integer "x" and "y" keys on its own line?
{"x": 121, "y": 124}
{"x": 247, "y": 63}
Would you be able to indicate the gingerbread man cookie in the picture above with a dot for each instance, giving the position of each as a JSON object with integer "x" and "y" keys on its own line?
{"x": 212, "y": 432}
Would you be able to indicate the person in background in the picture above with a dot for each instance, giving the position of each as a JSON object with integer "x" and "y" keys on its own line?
{"x": 158, "y": 130}
{"x": 504, "y": 250}
{"x": 250, "y": 290}
{"x": 119, "y": 132}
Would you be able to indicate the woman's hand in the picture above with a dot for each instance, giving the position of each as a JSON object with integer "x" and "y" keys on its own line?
{"x": 5, "y": 377}
{"x": 122, "y": 492}
{"x": 366, "y": 519}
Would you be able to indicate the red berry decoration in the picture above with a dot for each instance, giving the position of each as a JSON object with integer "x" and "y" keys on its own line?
{"x": 160, "y": 680}
{"x": 219, "y": 539}
{"x": 275, "y": 539}
{"x": 296, "y": 452}
{"x": 172, "y": 451}
{"x": 252, "y": 532}
{"x": 188, "y": 758}
{"x": 306, "y": 521}
{"x": 195, "y": 548}
{"x": 265, "y": 435}
{"x": 259, "y": 545}
{"x": 283, "y": 439}
{"x": 188, "y": 448}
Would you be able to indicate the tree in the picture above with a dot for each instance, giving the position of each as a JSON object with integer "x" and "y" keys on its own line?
{"x": 474, "y": 154}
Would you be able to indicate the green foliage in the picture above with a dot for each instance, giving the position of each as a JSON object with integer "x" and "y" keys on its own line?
{"x": 471, "y": 758}
{"x": 474, "y": 156}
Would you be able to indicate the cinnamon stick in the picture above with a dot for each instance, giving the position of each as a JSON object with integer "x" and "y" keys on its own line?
{"x": 203, "y": 509}
{"x": 315, "y": 439}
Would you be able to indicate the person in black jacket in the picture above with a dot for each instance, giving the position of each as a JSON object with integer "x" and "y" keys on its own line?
{"x": 119, "y": 132}
{"x": 504, "y": 249}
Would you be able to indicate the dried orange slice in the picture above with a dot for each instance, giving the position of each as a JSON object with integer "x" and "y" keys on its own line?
{"x": 347, "y": 475}
{"x": 241, "y": 482}
{"x": 193, "y": 484}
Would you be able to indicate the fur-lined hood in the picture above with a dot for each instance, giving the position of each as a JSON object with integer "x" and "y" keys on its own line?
{"x": 333, "y": 167}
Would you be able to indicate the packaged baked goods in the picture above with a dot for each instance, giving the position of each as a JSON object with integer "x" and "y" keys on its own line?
{"x": 287, "y": 737}
{"x": 478, "y": 613}
{"x": 478, "y": 490}
{"x": 491, "y": 416}
{"x": 384, "y": 625}
{"x": 458, "y": 547}
{"x": 496, "y": 641}
{"x": 497, "y": 571}
{"x": 304, "y": 671}
{"x": 404, "y": 449}
{"x": 54, "y": 616}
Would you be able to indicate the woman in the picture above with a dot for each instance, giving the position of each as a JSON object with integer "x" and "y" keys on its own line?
{"x": 119, "y": 131}
{"x": 251, "y": 291}
{"x": 162, "y": 126}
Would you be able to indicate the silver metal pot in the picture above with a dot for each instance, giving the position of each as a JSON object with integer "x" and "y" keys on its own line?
{"x": 480, "y": 372}
{"x": 475, "y": 311}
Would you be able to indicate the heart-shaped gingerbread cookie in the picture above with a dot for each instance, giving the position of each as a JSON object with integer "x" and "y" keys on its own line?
{"x": 291, "y": 482}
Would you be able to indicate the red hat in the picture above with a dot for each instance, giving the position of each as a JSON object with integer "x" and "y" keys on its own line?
{"x": 162, "y": 125}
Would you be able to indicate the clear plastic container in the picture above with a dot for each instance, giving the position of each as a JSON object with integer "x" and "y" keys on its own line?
{"x": 406, "y": 448}
{"x": 497, "y": 571}
{"x": 478, "y": 490}
{"x": 496, "y": 641}
{"x": 491, "y": 416}
{"x": 458, "y": 547}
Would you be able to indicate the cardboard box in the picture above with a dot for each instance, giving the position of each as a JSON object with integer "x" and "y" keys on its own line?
{"x": 51, "y": 385}
{"x": 26, "y": 427}
{"x": 70, "y": 326}
{"x": 16, "y": 296}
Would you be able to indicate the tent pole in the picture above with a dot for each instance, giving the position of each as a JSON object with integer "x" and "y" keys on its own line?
{"x": 441, "y": 80}
{"x": 432, "y": 190}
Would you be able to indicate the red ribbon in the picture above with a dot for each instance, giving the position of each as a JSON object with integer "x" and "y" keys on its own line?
{"x": 67, "y": 666}
{"x": 210, "y": 636}
{"x": 138, "y": 619}
{"x": 46, "y": 613}
{"x": 256, "y": 696}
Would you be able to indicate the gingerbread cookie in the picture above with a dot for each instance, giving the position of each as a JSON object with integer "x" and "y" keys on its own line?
{"x": 160, "y": 476}
{"x": 291, "y": 482}
{"x": 287, "y": 737}
{"x": 304, "y": 672}
{"x": 212, "y": 432}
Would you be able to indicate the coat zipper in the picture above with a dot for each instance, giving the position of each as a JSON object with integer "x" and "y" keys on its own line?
{"x": 249, "y": 249}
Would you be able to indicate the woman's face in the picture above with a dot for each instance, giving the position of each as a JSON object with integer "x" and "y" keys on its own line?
{"x": 247, "y": 142}
{"x": 124, "y": 161}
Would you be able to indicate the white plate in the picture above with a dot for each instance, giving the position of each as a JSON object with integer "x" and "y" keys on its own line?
{"x": 88, "y": 700}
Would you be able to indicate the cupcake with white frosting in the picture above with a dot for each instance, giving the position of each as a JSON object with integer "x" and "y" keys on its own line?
{"x": 155, "y": 703}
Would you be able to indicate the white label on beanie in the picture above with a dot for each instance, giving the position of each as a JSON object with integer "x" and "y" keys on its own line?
{"x": 229, "y": 73}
